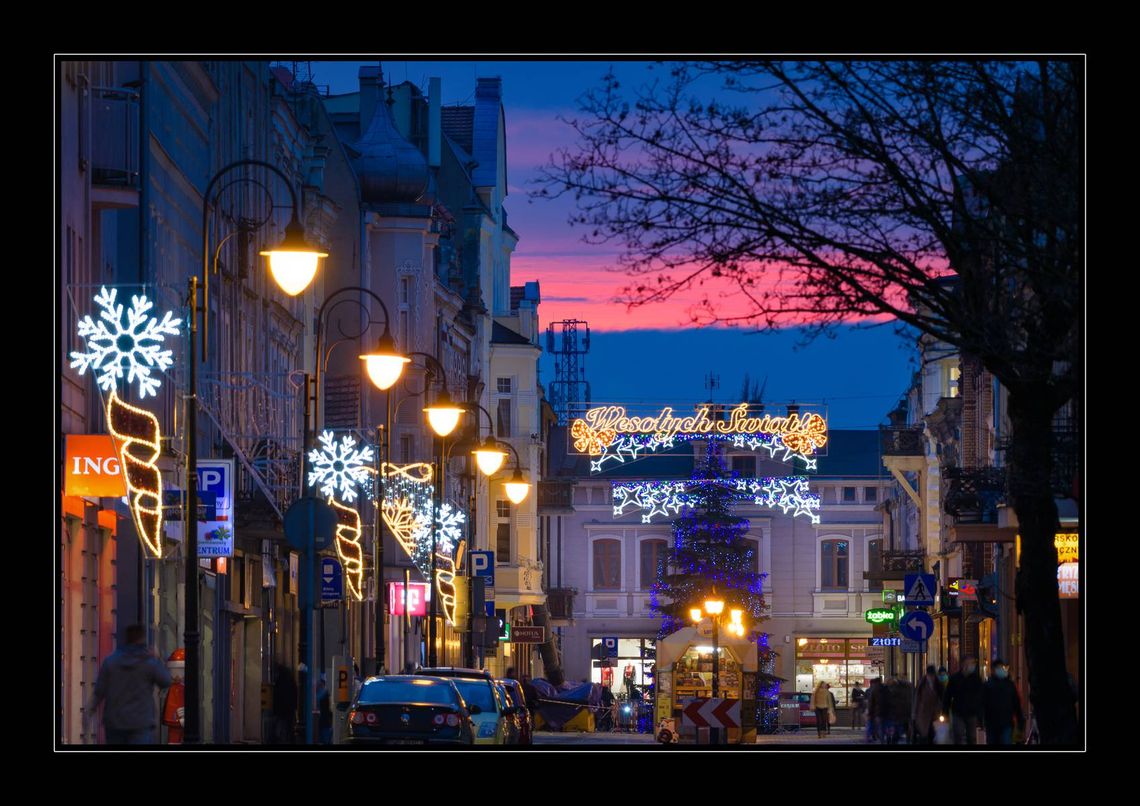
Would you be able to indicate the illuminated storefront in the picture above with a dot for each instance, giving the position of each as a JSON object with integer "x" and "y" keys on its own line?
{"x": 632, "y": 668}
{"x": 842, "y": 663}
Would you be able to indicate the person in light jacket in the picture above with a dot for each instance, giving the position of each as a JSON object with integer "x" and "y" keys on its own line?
{"x": 821, "y": 704}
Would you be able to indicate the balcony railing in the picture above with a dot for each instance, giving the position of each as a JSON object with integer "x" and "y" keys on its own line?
{"x": 114, "y": 137}
{"x": 555, "y": 497}
{"x": 973, "y": 493}
{"x": 902, "y": 441}
{"x": 560, "y": 602}
{"x": 895, "y": 565}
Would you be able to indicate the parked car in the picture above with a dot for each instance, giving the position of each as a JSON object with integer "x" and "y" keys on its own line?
{"x": 514, "y": 691}
{"x": 511, "y": 714}
{"x": 409, "y": 709}
{"x": 495, "y": 720}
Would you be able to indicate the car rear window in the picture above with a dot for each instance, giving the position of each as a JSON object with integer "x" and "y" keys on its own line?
{"x": 433, "y": 692}
{"x": 476, "y": 692}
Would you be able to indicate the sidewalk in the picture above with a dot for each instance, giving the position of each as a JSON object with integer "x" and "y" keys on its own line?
{"x": 807, "y": 736}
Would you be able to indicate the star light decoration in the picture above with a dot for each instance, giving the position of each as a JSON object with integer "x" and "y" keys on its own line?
{"x": 789, "y": 493}
{"x": 408, "y": 508}
{"x": 628, "y": 446}
{"x": 339, "y": 466}
{"x": 132, "y": 345}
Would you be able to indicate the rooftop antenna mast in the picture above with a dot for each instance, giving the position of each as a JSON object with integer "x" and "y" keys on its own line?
{"x": 570, "y": 391}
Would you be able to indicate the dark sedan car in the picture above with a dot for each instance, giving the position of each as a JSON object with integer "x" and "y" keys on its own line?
{"x": 518, "y": 700}
{"x": 404, "y": 709}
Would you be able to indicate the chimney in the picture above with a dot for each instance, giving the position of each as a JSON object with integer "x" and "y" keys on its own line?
{"x": 370, "y": 79}
{"x": 434, "y": 127}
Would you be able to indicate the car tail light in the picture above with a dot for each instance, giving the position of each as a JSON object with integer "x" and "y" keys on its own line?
{"x": 438, "y": 719}
{"x": 453, "y": 720}
{"x": 356, "y": 718}
{"x": 370, "y": 718}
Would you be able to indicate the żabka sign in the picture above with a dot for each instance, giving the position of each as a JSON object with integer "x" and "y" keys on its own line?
{"x": 93, "y": 467}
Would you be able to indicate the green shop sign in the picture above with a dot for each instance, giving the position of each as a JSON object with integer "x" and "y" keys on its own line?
{"x": 880, "y": 615}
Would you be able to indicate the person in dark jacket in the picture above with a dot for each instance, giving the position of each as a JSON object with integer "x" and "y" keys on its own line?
{"x": 125, "y": 689}
{"x": 284, "y": 704}
{"x": 1001, "y": 706}
{"x": 324, "y": 711}
{"x": 899, "y": 708}
{"x": 859, "y": 701}
{"x": 963, "y": 701}
{"x": 875, "y": 703}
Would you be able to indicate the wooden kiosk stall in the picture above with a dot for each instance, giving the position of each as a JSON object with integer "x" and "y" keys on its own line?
{"x": 685, "y": 671}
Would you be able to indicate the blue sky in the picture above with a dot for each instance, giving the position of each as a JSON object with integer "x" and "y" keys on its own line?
{"x": 648, "y": 353}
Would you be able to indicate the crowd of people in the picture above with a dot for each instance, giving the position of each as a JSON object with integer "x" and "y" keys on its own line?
{"x": 942, "y": 709}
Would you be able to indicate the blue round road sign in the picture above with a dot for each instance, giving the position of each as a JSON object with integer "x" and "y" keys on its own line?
{"x": 916, "y": 625}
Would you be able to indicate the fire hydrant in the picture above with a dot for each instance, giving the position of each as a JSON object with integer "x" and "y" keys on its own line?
{"x": 174, "y": 711}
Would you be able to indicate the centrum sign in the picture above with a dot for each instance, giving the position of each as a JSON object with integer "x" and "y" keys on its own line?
{"x": 880, "y": 615}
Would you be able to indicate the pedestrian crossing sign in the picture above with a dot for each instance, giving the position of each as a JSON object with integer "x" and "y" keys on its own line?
{"x": 920, "y": 590}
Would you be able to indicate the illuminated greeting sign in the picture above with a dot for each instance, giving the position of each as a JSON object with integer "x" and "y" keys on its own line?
{"x": 131, "y": 346}
{"x": 879, "y": 615}
{"x": 610, "y": 433}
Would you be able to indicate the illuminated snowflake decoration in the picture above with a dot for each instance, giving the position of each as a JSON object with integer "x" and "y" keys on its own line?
{"x": 449, "y": 524}
{"x": 339, "y": 466}
{"x": 131, "y": 346}
{"x": 789, "y": 494}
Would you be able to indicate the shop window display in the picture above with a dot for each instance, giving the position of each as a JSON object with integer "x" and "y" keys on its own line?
{"x": 842, "y": 663}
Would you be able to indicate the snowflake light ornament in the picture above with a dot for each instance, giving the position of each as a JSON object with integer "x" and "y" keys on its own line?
{"x": 338, "y": 466}
{"x": 132, "y": 346}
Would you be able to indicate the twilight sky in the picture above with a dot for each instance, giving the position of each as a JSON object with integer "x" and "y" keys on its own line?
{"x": 647, "y": 353}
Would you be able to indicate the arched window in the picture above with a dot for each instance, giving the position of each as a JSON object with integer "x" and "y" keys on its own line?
{"x": 607, "y": 565}
{"x": 833, "y": 564}
{"x": 875, "y": 563}
{"x": 652, "y": 556}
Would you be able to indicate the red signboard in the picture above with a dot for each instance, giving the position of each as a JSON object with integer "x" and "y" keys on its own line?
{"x": 417, "y": 598}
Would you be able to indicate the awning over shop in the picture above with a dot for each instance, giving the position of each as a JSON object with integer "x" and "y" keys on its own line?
{"x": 672, "y": 647}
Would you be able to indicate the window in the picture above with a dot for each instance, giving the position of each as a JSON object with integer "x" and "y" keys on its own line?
{"x": 848, "y": 495}
{"x": 405, "y": 449}
{"x": 405, "y": 334}
{"x": 607, "y": 565}
{"x": 652, "y": 557}
{"x": 503, "y": 543}
{"x": 744, "y": 465}
{"x": 405, "y": 290}
{"x": 870, "y": 494}
{"x": 875, "y": 562}
{"x": 504, "y": 421}
{"x": 833, "y": 564}
{"x": 503, "y": 385}
{"x": 754, "y": 561}
{"x": 503, "y": 531}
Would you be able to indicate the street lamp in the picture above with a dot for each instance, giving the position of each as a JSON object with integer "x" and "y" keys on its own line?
{"x": 443, "y": 415}
{"x": 489, "y": 456}
{"x": 385, "y": 364}
{"x": 714, "y": 607}
{"x": 293, "y": 271}
{"x": 293, "y": 262}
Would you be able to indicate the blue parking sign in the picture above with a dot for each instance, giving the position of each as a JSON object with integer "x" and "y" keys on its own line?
{"x": 483, "y": 565}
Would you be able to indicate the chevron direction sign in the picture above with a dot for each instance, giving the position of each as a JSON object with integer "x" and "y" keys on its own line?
{"x": 708, "y": 713}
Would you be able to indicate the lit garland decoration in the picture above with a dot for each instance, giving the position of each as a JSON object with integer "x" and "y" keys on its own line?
{"x": 132, "y": 345}
{"x": 407, "y": 511}
{"x": 445, "y": 586}
{"x": 632, "y": 444}
{"x": 348, "y": 548}
{"x": 139, "y": 438}
{"x": 338, "y": 466}
{"x": 788, "y": 493}
{"x": 127, "y": 346}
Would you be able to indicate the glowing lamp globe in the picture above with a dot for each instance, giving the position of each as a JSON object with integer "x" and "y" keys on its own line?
{"x": 489, "y": 457}
{"x": 293, "y": 263}
{"x": 714, "y": 606}
{"x": 695, "y": 614}
{"x": 517, "y": 488}
{"x": 443, "y": 414}
{"x": 385, "y": 364}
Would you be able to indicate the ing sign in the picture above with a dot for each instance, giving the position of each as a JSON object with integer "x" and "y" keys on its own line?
{"x": 92, "y": 467}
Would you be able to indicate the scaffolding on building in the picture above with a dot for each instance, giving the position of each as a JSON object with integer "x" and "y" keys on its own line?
{"x": 569, "y": 391}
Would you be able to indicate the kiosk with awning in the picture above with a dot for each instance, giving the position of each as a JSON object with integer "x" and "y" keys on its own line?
{"x": 685, "y": 671}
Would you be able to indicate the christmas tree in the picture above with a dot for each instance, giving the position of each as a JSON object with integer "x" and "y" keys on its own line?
{"x": 709, "y": 549}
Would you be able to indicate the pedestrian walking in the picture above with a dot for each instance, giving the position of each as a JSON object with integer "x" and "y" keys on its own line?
{"x": 859, "y": 700}
{"x": 821, "y": 704}
{"x": 1001, "y": 706}
{"x": 324, "y": 722}
{"x": 125, "y": 688}
{"x": 898, "y": 710}
{"x": 875, "y": 707}
{"x": 831, "y": 706}
{"x": 284, "y": 704}
{"x": 963, "y": 701}
{"x": 927, "y": 706}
